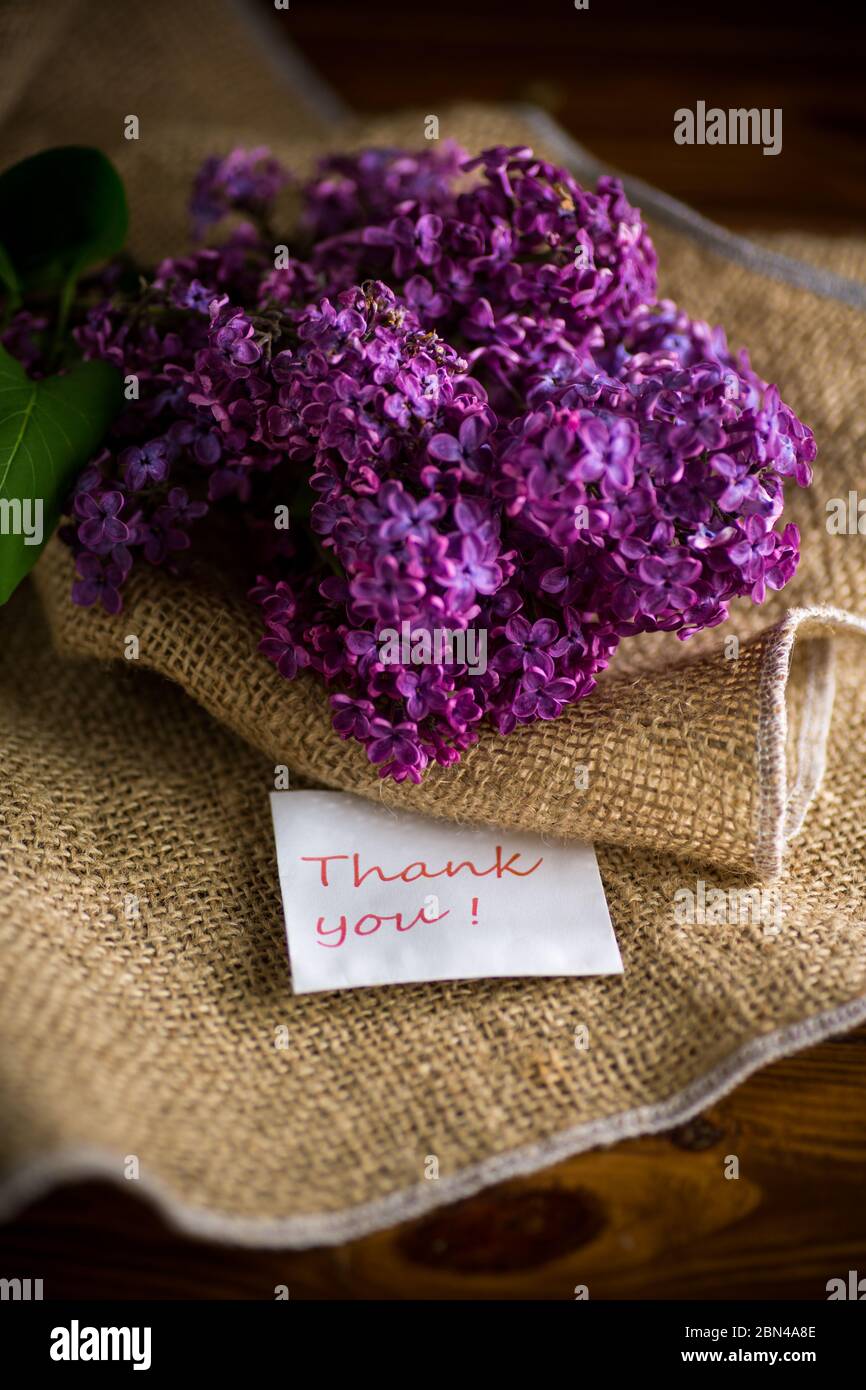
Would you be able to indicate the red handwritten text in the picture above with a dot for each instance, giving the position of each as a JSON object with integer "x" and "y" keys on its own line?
{"x": 375, "y": 921}
{"x": 418, "y": 869}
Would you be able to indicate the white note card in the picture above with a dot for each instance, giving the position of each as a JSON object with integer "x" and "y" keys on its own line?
{"x": 373, "y": 896}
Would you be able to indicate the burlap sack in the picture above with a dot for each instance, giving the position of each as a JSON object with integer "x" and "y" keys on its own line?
{"x": 152, "y": 1032}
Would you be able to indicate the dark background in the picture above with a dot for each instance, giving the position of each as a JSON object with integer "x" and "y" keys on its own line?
{"x": 649, "y": 1218}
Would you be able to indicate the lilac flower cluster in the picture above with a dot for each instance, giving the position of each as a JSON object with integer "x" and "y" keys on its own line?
{"x": 463, "y": 392}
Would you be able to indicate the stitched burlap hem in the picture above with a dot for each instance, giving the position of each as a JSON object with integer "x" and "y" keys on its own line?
{"x": 144, "y": 981}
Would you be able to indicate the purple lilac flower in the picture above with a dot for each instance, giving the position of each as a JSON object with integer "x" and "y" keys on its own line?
{"x": 246, "y": 180}
{"x": 467, "y": 395}
{"x": 100, "y": 526}
{"x": 143, "y": 464}
{"x": 97, "y": 582}
{"x": 22, "y": 338}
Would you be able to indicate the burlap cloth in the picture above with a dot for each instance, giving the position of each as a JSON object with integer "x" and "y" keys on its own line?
{"x": 155, "y": 1034}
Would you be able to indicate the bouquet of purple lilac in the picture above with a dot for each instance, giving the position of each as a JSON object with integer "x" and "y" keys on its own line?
{"x": 465, "y": 447}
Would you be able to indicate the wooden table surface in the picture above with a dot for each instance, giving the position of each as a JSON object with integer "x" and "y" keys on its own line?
{"x": 654, "y": 1217}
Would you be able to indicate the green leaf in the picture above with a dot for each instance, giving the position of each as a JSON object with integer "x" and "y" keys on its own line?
{"x": 60, "y": 211}
{"x": 9, "y": 278}
{"x": 48, "y": 431}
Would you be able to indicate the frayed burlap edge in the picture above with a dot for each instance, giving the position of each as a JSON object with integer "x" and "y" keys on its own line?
{"x": 39, "y": 1175}
{"x": 783, "y": 808}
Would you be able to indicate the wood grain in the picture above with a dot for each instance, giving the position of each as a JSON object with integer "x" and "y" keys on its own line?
{"x": 649, "y": 1218}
